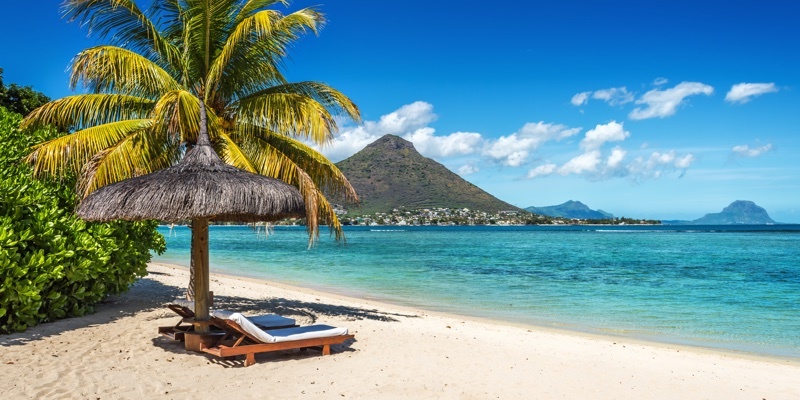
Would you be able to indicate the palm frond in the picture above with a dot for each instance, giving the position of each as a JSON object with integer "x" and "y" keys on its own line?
{"x": 272, "y": 163}
{"x": 70, "y": 152}
{"x": 134, "y": 155}
{"x": 86, "y": 110}
{"x": 248, "y": 30}
{"x": 126, "y": 24}
{"x": 251, "y": 7}
{"x": 207, "y": 26}
{"x": 179, "y": 110}
{"x": 329, "y": 97}
{"x": 254, "y": 52}
{"x": 231, "y": 153}
{"x": 293, "y": 114}
{"x": 299, "y": 165}
{"x": 111, "y": 69}
{"x": 323, "y": 172}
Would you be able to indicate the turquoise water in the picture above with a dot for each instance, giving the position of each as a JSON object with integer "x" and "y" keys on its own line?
{"x": 735, "y": 288}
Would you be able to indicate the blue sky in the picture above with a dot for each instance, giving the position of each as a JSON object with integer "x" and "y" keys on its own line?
{"x": 657, "y": 109}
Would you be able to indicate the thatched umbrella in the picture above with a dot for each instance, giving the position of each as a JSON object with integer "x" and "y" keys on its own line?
{"x": 200, "y": 188}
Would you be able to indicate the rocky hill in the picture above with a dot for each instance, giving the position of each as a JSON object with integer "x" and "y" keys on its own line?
{"x": 739, "y": 212}
{"x": 390, "y": 173}
{"x": 570, "y": 209}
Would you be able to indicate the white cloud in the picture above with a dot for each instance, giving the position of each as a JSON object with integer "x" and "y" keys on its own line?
{"x": 660, "y": 81}
{"x": 580, "y": 98}
{"x": 468, "y": 168}
{"x": 542, "y": 170}
{"x": 616, "y": 157}
{"x": 614, "y": 96}
{"x": 742, "y": 92}
{"x": 610, "y": 132}
{"x": 747, "y": 151}
{"x": 684, "y": 162}
{"x": 586, "y": 162}
{"x": 454, "y": 144}
{"x": 406, "y": 118}
{"x": 411, "y": 122}
{"x": 659, "y": 163}
{"x": 510, "y": 150}
{"x": 592, "y": 166}
{"x": 663, "y": 103}
{"x": 513, "y": 150}
{"x": 347, "y": 143}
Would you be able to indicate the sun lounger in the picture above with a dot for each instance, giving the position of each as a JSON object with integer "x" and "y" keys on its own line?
{"x": 245, "y": 338}
{"x": 185, "y": 308}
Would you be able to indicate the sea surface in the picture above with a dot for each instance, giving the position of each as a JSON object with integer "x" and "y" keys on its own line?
{"x": 727, "y": 287}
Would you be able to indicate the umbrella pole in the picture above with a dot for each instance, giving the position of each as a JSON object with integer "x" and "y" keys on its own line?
{"x": 200, "y": 261}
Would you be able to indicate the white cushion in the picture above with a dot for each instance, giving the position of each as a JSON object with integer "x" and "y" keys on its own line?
{"x": 266, "y": 321}
{"x": 287, "y": 334}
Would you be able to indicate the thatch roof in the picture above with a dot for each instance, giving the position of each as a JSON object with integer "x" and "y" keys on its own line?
{"x": 199, "y": 186}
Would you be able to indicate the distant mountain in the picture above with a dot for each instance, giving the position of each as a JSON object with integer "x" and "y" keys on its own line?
{"x": 570, "y": 209}
{"x": 738, "y": 212}
{"x": 390, "y": 173}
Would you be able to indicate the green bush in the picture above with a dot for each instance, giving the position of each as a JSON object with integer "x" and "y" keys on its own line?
{"x": 52, "y": 263}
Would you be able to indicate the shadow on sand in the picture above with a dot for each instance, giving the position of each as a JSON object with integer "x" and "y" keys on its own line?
{"x": 148, "y": 294}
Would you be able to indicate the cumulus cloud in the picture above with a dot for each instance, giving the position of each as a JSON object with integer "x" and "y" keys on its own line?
{"x": 592, "y": 165}
{"x": 454, "y": 144}
{"x": 742, "y": 92}
{"x": 513, "y": 150}
{"x": 658, "y": 163}
{"x": 586, "y": 162}
{"x": 612, "y": 96}
{"x": 660, "y": 81}
{"x": 615, "y": 159}
{"x": 610, "y": 132}
{"x": 468, "y": 169}
{"x": 580, "y": 98}
{"x": 406, "y": 118}
{"x": 542, "y": 170}
{"x": 663, "y": 103}
{"x": 746, "y": 151}
{"x": 411, "y": 122}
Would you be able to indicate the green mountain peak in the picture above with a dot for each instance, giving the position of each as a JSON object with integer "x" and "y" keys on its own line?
{"x": 390, "y": 173}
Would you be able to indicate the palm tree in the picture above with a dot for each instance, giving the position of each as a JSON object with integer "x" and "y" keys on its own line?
{"x": 140, "y": 112}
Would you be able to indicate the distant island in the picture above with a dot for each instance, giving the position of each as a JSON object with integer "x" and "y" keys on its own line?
{"x": 571, "y": 209}
{"x": 740, "y": 212}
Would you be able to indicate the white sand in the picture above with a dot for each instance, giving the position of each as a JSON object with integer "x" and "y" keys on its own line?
{"x": 398, "y": 354}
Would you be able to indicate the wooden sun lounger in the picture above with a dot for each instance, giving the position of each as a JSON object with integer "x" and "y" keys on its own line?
{"x": 178, "y": 331}
{"x": 238, "y": 341}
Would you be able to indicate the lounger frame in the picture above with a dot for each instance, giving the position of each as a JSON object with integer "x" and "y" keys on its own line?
{"x": 238, "y": 342}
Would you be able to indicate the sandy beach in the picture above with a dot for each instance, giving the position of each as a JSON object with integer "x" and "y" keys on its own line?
{"x": 398, "y": 352}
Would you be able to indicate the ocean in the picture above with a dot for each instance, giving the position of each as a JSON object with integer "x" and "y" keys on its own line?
{"x": 727, "y": 287}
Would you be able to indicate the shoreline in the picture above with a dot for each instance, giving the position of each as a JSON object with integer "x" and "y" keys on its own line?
{"x": 566, "y": 329}
{"x": 398, "y": 353}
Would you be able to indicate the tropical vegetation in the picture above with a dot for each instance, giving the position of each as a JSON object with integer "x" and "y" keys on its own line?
{"x": 140, "y": 111}
{"x": 20, "y": 99}
{"x": 53, "y": 264}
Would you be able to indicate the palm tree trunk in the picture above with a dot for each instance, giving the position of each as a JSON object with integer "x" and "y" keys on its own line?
{"x": 190, "y": 287}
{"x": 200, "y": 268}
